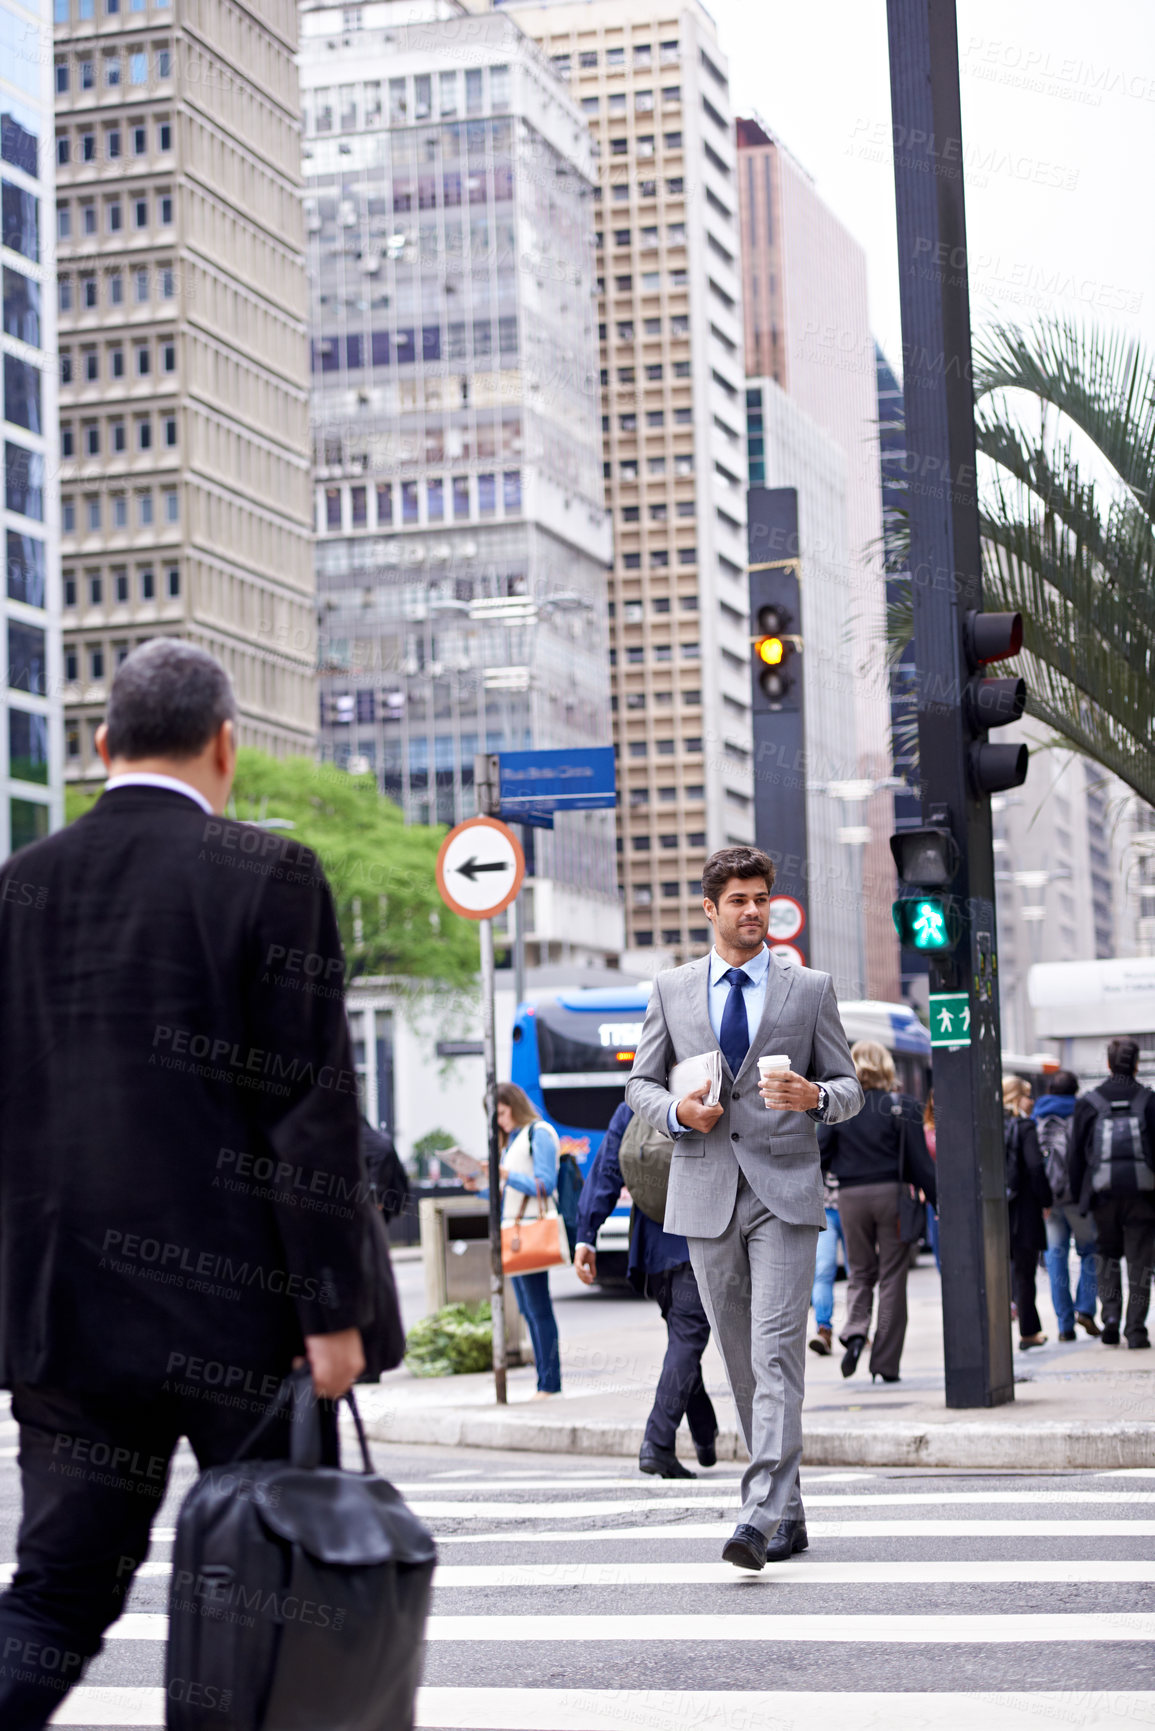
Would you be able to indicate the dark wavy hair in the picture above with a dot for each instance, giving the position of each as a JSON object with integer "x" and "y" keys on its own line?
{"x": 735, "y": 862}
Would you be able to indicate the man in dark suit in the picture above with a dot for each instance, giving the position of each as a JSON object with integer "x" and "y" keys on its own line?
{"x": 179, "y": 1165}
{"x": 658, "y": 1264}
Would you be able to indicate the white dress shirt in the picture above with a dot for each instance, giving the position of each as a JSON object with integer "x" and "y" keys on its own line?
{"x": 146, "y": 778}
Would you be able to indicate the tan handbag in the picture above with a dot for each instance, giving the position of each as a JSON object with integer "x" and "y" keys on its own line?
{"x": 532, "y": 1246}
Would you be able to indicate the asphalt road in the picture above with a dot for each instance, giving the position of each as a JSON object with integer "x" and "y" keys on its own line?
{"x": 574, "y": 1595}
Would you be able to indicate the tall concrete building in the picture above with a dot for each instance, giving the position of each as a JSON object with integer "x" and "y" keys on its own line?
{"x": 652, "y": 83}
{"x": 807, "y": 327}
{"x": 185, "y": 496}
{"x": 462, "y": 534}
{"x": 30, "y": 768}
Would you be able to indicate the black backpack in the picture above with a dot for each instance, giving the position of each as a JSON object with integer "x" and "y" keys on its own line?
{"x": 1121, "y": 1160}
{"x": 1055, "y": 1143}
{"x": 644, "y": 1157}
{"x": 299, "y": 1591}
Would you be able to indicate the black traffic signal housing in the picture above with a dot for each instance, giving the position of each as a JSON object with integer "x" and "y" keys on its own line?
{"x": 927, "y": 859}
{"x": 774, "y": 647}
{"x": 991, "y": 703}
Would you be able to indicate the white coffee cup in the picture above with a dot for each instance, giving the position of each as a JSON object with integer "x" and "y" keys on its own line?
{"x": 775, "y": 1065}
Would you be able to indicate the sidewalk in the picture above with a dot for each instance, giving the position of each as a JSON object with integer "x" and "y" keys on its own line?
{"x": 1078, "y": 1405}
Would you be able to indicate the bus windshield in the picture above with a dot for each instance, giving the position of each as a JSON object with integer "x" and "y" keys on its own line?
{"x": 584, "y": 1059}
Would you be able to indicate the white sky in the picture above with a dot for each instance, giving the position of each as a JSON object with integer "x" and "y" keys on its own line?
{"x": 1058, "y": 104}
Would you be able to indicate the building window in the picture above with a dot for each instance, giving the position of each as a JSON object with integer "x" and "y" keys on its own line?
{"x": 140, "y": 212}
{"x": 120, "y": 584}
{"x": 460, "y": 497}
{"x": 115, "y": 288}
{"x": 435, "y": 501}
{"x": 359, "y": 500}
{"x": 384, "y": 504}
{"x": 143, "y": 364}
{"x": 137, "y": 66}
{"x": 27, "y": 822}
{"x": 171, "y": 505}
{"x": 72, "y": 740}
{"x": 409, "y": 511}
{"x": 332, "y": 507}
{"x": 139, "y": 140}
{"x": 92, "y": 440}
{"x": 166, "y": 208}
{"x": 144, "y": 510}
{"x": 164, "y": 135}
{"x": 96, "y": 661}
{"x": 27, "y": 663}
{"x": 168, "y": 357}
{"x": 167, "y": 283}
{"x": 117, "y": 434}
{"x": 61, "y": 77}
{"x": 112, "y": 142}
{"x": 67, "y": 441}
{"x": 95, "y": 589}
{"x": 88, "y": 75}
{"x": 116, "y": 363}
{"x": 170, "y": 431}
{"x": 140, "y": 286}
{"x": 119, "y": 511}
{"x": 92, "y": 513}
{"x": 112, "y": 61}
{"x": 144, "y": 434}
{"x": 91, "y": 298}
{"x": 63, "y": 223}
{"x": 172, "y": 578}
{"x": 71, "y": 666}
{"x": 147, "y": 585}
{"x": 67, "y": 514}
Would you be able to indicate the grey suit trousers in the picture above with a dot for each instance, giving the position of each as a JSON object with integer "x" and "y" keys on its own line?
{"x": 755, "y": 1283}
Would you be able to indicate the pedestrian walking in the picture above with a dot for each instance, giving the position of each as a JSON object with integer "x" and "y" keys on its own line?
{"x": 825, "y": 1270}
{"x": 877, "y": 1157}
{"x": 745, "y": 1180}
{"x": 1028, "y": 1196}
{"x": 658, "y": 1265}
{"x": 529, "y": 1163}
{"x": 1054, "y": 1117}
{"x": 171, "y": 1096}
{"x": 931, "y": 1136}
{"x": 1112, "y": 1170}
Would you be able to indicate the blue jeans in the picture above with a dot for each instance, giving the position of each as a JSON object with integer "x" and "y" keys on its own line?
{"x": 533, "y": 1300}
{"x": 932, "y": 1235}
{"x": 825, "y": 1264}
{"x": 1064, "y": 1224}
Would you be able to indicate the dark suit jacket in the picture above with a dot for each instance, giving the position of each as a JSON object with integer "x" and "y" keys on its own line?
{"x": 1028, "y": 1188}
{"x": 179, "y": 1166}
{"x": 652, "y": 1249}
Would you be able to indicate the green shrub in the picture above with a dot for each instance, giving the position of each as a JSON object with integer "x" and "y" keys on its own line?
{"x": 452, "y": 1342}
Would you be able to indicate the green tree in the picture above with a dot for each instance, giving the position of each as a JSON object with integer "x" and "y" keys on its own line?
{"x": 1065, "y": 417}
{"x": 381, "y": 869}
{"x": 1068, "y": 527}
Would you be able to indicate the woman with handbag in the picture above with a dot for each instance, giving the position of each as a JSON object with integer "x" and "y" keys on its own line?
{"x": 529, "y": 1160}
{"x": 1029, "y": 1200}
{"x": 881, "y": 1163}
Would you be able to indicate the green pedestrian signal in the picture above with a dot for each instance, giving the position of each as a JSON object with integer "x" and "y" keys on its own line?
{"x": 925, "y": 923}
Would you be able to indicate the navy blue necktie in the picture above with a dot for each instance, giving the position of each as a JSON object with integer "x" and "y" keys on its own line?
{"x": 734, "y": 1037}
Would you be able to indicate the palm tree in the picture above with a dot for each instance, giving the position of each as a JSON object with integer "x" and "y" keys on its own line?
{"x": 1067, "y": 515}
{"x": 1068, "y": 526}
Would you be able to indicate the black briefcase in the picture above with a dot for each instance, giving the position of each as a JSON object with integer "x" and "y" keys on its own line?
{"x": 299, "y": 1590}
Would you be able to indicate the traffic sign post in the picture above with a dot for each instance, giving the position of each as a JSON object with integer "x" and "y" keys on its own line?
{"x": 479, "y": 871}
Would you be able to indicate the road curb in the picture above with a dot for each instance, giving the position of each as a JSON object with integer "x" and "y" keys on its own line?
{"x": 1041, "y": 1446}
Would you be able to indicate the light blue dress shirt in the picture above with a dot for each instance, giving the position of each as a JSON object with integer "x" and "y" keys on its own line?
{"x": 753, "y": 996}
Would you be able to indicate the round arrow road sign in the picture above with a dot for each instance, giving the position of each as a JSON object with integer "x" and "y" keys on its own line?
{"x": 787, "y": 918}
{"x": 480, "y": 868}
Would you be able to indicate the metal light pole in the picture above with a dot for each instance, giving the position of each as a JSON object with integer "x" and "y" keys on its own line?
{"x": 945, "y": 559}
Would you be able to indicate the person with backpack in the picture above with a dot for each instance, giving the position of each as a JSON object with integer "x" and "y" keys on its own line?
{"x": 1112, "y": 1172}
{"x": 1053, "y": 1118}
{"x": 659, "y": 1264}
{"x": 1028, "y": 1198}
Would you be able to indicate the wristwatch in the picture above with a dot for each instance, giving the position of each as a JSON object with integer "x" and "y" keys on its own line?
{"x": 819, "y": 1111}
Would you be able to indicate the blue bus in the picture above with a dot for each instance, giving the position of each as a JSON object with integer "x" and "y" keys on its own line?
{"x": 573, "y": 1048}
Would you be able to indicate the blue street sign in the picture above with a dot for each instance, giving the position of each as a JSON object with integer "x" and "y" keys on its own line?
{"x": 536, "y": 784}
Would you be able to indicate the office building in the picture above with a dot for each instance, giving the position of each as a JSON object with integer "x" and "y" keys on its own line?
{"x": 807, "y": 328}
{"x": 652, "y": 83}
{"x": 183, "y": 388}
{"x": 462, "y": 535}
{"x": 30, "y": 798}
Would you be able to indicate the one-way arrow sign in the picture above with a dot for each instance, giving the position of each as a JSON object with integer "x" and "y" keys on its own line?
{"x": 479, "y": 868}
{"x": 472, "y": 866}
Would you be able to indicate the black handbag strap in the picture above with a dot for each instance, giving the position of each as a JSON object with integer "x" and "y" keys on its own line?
{"x": 313, "y": 1434}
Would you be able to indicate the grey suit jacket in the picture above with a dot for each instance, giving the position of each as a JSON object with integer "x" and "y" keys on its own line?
{"x": 776, "y": 1151}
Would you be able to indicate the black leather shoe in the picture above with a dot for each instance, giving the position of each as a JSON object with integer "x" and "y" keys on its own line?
{"x": 664, "y": 1464}
{"x": 707, "y": 1453}
{"x": 787, "y": 1541}
{"x": 1109, "y": 1334}
{"x": 745, "y": 1548}
{"x": 854, "y": 1344}
{"x": 1138, "y": 1342}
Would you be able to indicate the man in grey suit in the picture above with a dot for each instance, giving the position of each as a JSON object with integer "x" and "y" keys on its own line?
{"x": 745, "y": 1181}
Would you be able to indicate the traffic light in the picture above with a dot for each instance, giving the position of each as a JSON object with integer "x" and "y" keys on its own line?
{"x": 927, "y": 858}
{"x": 773, "y": 651}
{"x": 927, "y": 923}
{"x": 991, "y": 703}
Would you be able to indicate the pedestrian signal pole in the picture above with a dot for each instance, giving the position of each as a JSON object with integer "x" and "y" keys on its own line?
{"x": 946, "y": 868}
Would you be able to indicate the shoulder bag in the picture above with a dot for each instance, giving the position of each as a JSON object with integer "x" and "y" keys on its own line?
{"x": 532, "y": 1246}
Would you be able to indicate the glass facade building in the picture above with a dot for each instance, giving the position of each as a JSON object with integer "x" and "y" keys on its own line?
{"x": 462, "y": 537}
{"x": 30, "y": 802}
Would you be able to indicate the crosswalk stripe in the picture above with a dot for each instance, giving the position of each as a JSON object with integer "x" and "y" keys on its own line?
{"x": 808, "y": 1572}
{"x": 456, "y": 1709}
{"x": 861, "y": 1529}
{"x": 889, "y": 1630}
{"x": 638, "y": 1483}
{"x": 524, "y": 1510}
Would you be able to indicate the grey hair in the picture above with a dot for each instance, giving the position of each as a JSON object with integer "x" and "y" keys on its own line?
{"x": 168, "y": 699}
